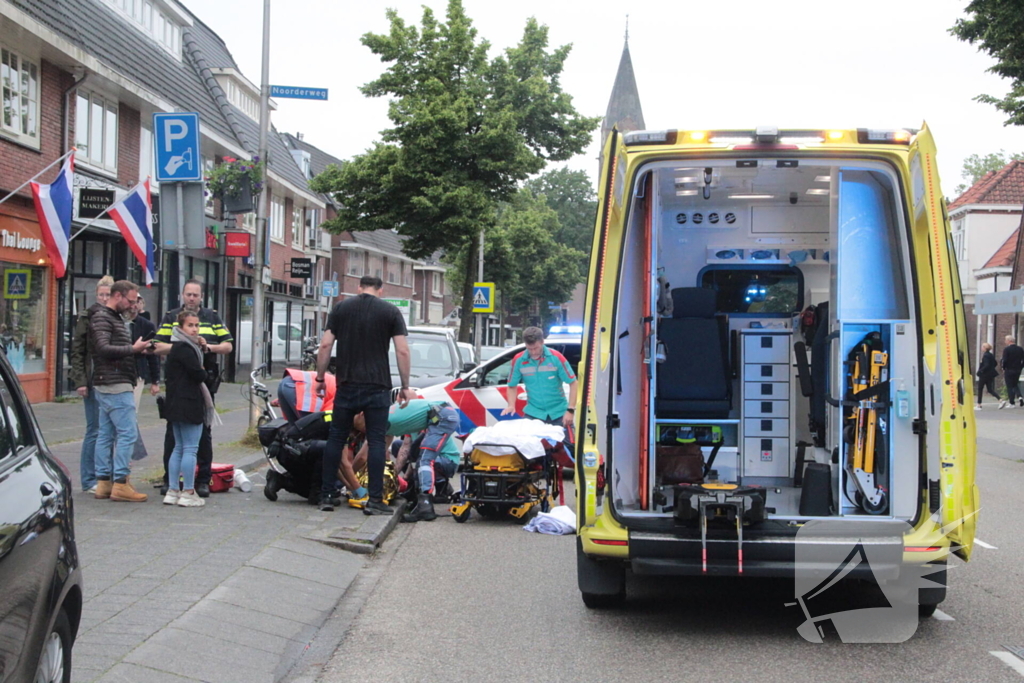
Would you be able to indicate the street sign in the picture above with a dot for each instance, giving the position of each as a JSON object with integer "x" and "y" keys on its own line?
{"x": 17, "y": 283}
{"x": 177, "y": 147}
{"x": 238, "y": 244}
{"x": 302, "y": 268}
{"x": 403, "y": 305}
{"x": 329, "y": 288}
{"x": 295, "y": 93}
{"x": 994, "y": 303}
{"x": 483, "y": 297}
{"x": 187, "y": 231}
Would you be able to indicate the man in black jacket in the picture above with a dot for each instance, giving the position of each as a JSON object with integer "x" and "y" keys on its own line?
{"x": 215, "y": 340}
{"x": 1013, "y": 363}
{"x": 113, "y": 378}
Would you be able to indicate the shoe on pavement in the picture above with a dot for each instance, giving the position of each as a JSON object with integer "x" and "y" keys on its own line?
{"x": 203, "y": 489}
{"x": 326, "y": 504}
{"x": 190, "y": 500}
{"x": 376, "y": 507}
{"x": 172, "y": 497}
{"x": 103, "y": 489}
{"x": 273, "y": 485}
{"x": 163, "y": 489}
{"x": 423, "y": 512}
{"x": 126, "y": 493}
{"x": 91, "y": 489}
{"x": 977, "y": 407}
{"x": 1002, "y": 404}
{"x": 1022, "y": 403}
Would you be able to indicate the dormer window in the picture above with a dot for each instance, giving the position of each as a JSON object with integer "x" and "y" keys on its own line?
{"x": 241, "y": 93}
{"x": 161, "y": 20}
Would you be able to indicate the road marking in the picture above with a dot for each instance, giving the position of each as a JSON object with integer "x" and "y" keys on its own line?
{"x": 985, "y": 545}
{"x": 1010, "y": 661}
{"x": 939, "y": 615}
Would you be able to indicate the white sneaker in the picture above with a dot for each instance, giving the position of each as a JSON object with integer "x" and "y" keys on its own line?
{"x": 1002, "y": 404}
{"x": 190, "y": 500}
{"x": 172, "y": 497}
{"x": 977, "y": 407}
{"x": 91, "y": 490}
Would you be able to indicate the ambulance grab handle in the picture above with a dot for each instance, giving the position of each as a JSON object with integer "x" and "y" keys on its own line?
{"x": 828, "y": 372}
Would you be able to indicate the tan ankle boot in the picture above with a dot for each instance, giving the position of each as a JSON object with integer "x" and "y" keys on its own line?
{"x": 127, "y": 494}
{"x": 103, "y": 489}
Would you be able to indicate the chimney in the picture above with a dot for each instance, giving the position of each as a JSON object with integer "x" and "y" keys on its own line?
{"x": 298, "y": 136}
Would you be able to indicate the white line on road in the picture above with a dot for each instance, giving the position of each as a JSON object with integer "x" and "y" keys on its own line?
{"x": 985, "y": 545}
{"x": 939, "y": 615}
{"x": 1010, "y": 661}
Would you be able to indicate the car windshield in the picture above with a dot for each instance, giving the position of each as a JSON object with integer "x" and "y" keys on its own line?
{"x": 429, "y": 356}
{"x": 489, "y": 352}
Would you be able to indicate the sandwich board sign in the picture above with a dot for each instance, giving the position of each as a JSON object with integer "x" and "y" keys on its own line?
{"x": 483, "y": 297}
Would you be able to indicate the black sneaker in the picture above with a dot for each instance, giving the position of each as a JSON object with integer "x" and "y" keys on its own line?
{"x": 326, "y": 504}
{"x": 376, "y": 507}
{"x": 203, "y": 489}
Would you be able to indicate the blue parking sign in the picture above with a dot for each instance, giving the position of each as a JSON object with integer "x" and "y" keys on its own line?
{"x": 176, "y": 136}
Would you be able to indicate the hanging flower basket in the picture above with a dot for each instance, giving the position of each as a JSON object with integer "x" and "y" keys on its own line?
{"x": 236, "y": 182}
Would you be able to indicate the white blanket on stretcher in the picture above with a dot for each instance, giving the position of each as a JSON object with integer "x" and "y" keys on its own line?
{"x": 505, "y": 437}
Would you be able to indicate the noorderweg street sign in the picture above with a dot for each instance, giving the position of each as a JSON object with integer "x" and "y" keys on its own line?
{"x": 483, "y": 297}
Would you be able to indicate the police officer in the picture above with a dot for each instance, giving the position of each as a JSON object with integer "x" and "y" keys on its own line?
{"x": 215, "y": 340}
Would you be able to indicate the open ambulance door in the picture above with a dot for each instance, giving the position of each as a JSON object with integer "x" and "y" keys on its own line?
{"x": 945, "y": 351}
{"x": 592, "y": 412}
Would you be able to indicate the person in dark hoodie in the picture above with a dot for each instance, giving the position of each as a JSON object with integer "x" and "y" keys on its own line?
{"x": 987, "y": 373}
{"x": 188, "y": 409}
{"x": 81, "y": 376}
{"x": 1012, "y": 362}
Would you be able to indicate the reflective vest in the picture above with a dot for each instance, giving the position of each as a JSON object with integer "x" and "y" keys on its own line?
{"x": 306, "y": 400}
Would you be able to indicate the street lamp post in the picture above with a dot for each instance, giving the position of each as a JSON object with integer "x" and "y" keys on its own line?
{"x": 258, "y": 306}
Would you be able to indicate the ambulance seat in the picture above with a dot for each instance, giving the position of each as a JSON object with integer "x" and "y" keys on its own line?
{"x": 694, "y": 381}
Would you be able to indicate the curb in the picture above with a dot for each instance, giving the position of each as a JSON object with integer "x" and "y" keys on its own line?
{"x": 367, "y": 539}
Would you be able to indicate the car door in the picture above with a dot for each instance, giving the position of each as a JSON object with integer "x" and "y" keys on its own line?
{"x": 482, "y": 395}
{"x": 30, "y": 540}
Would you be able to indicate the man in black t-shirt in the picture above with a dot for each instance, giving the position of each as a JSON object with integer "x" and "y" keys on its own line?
{"x": 363, "y": 327}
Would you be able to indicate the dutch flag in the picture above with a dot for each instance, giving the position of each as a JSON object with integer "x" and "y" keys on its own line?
{"x": 54, "y": 204}
{"x": 134, "y": 217}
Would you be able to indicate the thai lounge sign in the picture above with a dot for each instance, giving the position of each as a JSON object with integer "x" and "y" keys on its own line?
{"x": 13, "y": 239}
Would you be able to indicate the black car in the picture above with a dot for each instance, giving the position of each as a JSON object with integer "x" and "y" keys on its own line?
{"x": 40, "y": 579}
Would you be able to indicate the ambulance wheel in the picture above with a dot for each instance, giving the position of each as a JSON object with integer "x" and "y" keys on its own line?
{"x": 602, "y": 584}
{"x": 934, "y": 592}
{"x": 461, "y": 519}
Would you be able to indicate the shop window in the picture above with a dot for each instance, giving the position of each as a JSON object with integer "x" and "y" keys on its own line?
{"x": 23, "y": 316}
{"x": 19, "y": 87}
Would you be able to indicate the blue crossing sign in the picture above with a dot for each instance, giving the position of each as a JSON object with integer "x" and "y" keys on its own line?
{"x": 177, "y": 147}
{"x": 483, "y": 297}
{"x": 329, "y": 288}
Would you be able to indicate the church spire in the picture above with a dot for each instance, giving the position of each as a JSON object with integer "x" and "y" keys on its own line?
{"x": 624, "y": 110}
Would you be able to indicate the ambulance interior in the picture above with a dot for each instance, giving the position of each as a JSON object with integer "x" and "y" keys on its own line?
{"x": 770, "y": 324}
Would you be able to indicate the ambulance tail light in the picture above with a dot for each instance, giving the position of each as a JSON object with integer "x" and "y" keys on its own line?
{"x": 874, "y": 136}
{"x": 650, "y": 137}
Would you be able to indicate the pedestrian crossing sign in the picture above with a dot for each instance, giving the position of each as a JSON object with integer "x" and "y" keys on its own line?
{"x": 17, "y": 283}
{"x": 483, "y": 297}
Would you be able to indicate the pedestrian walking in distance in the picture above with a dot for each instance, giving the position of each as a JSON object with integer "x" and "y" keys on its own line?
{"x": 189, "y": 408}
{"x": 364, "y": 327}
{"x": 987, "y": 373}
{"x": 1013, "y": 363}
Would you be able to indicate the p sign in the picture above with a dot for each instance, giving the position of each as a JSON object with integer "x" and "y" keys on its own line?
{"x": 177, "y": 147}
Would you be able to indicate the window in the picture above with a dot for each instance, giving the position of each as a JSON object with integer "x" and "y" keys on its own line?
{"x": 297, "y": 227}
{"x": 249, "y": 222}
{"x": 407, "y": 274}
{"x": 376, "y": 266}
{"x": 355, "y": 263}
{"x": 147, "y": 161}
{"x": 498, "y": 375}
{"x": 24, "y": 316}
{"x": 207, "y": 167}
{"x": 394, "y": 276}
{"x": 435, "y": 283}
{"x": 96, "y": 131}
{"x": 760, "y": 290}
{"x": 19, "y": 83}
{"x": 237, "y": 96}
{"x": 152, "y": 21}
{"x": 312, "y": 229}
{"x": 276, "y": 219}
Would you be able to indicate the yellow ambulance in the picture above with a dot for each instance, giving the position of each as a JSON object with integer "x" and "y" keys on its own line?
{"x": 774, "y": 338}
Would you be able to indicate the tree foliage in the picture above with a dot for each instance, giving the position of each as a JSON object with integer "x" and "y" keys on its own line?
{"x": 571, "y": 195}
{"x": 997, "y": 27}
{"x": 467, "y": 130}
{"x": 976, "y": 166}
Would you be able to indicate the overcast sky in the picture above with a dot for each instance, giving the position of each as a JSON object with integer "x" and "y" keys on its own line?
{"x": 744, "y": 63}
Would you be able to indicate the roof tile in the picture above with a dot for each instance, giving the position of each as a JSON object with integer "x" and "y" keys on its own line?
{"x": 1005, "y": 186}
{"x": 1003, "y": 258}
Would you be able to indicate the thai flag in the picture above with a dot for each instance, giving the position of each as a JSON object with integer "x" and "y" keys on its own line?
{"x": 54, "y": 203}
{"x": 134, "y": 217}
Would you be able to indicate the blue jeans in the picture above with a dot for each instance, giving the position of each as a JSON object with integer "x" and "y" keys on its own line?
{"x": 117, "y": 415}
{"x": 350, "y": 400}
{"x": 432, "y": 461}
{"x": 87, "y": 459}
{"x": 183, "y": 457}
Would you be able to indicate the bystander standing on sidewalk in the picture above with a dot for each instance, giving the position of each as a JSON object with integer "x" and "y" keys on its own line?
{"x": 147, "y": 365}
{"x": 987, "y": 373}
{"x": 114, "y": 377}
{"x": 189, "y": 409}
{"x": 1013, "y": 363}
{"x": 364, "y": 327}
{"x": 81, "y": 376}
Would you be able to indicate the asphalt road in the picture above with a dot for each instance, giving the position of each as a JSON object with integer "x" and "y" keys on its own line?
{"x": 488, "y": 601}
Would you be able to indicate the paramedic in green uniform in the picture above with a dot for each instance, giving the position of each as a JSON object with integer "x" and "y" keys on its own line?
{"x": 543, "y": 371}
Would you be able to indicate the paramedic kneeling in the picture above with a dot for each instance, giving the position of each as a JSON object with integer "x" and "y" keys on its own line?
{"x": 438, "y": 452}
{"x": 543, "y": 371}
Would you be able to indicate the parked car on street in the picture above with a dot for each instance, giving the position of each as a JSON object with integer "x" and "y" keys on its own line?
{"x": 481, "y": 394}
{"x": 468, "y": 353}
{"x": 40, "y": 578}
{"x": 435, "y": 358}
{"x": 286, "y": 342}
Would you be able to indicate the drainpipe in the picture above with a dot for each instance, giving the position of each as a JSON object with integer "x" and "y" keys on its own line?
{"x": 58, "y": 383}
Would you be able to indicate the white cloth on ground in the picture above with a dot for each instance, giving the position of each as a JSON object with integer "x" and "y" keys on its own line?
{"x": 559, "y": 522}
{"x": 524, "y": 435}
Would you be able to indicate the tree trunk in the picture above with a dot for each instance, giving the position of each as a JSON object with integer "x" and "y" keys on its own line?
{"x": 469, "y": 276}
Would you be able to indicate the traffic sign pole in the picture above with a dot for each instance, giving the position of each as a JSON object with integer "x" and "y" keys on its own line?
{"x": 480, "y": 317}
{"x": 261, "y": 212}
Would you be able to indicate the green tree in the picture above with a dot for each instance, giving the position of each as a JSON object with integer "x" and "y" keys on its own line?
{"x": 467, "y": 130}
{"x": 571, "y": 195}
{"x": 997, "y": 27}
{"x": 976, "y": 166}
